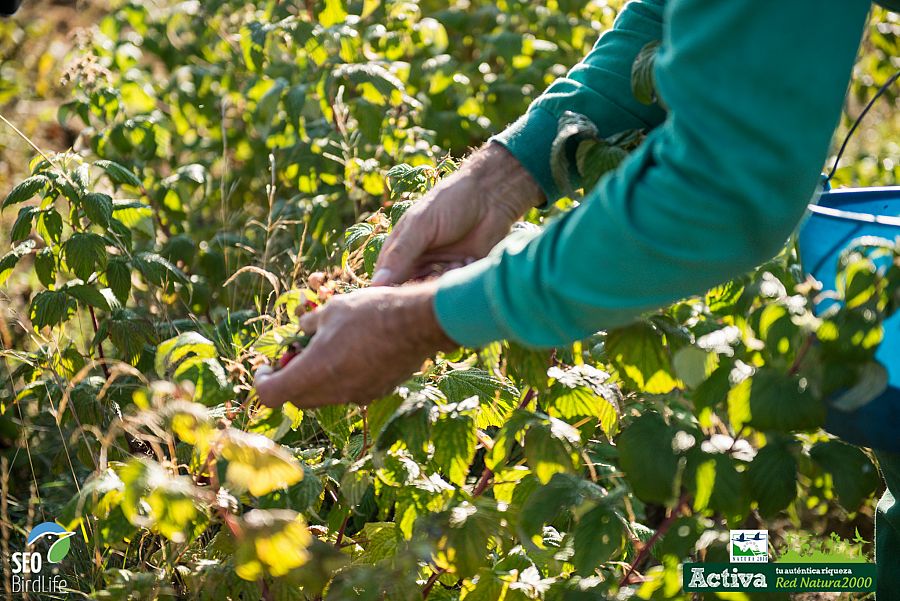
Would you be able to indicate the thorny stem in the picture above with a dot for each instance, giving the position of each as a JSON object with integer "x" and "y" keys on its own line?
{"x": 483, "y": 482}
{"x": 487, "y": 474}
{"x": 436, "y": 573}
{"x": 737, "y": 437}
{"x": 674, "y": 514}
{"x": 365, "y": 433}
{"x": 96, "y": 325}
{"x": 529, "y": 395}
{"x": 801, "y": 354}
{"x": 340, "y": 534}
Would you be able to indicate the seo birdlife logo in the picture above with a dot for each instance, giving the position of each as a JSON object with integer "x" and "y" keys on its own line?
{"x": 28, "y": 566}
{"x": 749, "y": 546}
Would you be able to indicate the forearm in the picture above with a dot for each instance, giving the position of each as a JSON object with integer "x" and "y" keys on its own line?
{"x": 713, "y": 192}
{"x": 599, "y": 87}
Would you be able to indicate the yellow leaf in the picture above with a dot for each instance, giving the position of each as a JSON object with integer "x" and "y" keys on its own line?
{"x": 274, "y": 542}
{"x": 258, "y": 464}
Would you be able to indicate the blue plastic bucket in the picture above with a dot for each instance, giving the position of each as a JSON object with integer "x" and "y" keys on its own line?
{"x": 840, "y": 217}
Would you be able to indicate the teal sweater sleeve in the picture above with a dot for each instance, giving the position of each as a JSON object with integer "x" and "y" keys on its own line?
{"x": 754, "y": 89}
{"x": 599, "y": 87}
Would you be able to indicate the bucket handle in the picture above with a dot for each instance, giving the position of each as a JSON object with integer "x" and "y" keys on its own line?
{"x": 826, "y": 180}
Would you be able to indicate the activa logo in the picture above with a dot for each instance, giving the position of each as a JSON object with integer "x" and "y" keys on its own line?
{"x": 749, "y": 546}
{"x": 27, "y": 566}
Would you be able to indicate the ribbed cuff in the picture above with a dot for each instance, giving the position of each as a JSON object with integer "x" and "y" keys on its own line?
{"x": 463, "y": 308}
{"x": 529, "y": 139}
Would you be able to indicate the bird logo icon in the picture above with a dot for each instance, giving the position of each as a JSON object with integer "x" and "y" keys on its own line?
{"x": 60, "y": 548}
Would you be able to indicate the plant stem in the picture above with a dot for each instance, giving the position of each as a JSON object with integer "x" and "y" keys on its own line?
{"x": 483, "y": 482}
{"x": 435, "y": 574}
{"x": 660, "y": 532}
{"x": 96, "y": 325}
{"x": 801, "y": 354}
{"x": 340, "y": 534}
{"x": 487, "y": 474}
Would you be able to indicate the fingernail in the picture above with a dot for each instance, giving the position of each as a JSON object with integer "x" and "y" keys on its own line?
{"x": 263, "y": 371}
{"x": 381, "y": 276}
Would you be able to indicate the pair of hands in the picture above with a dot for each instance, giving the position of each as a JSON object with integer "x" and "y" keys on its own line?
{"x": 369, "y": 341}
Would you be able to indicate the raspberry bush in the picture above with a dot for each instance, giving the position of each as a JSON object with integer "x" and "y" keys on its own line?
{"x": 235, "y": 164}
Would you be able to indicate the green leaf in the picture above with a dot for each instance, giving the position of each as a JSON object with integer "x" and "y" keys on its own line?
{"x": 87, "y": 294}
{"x": 411, "y": 424}
{"x": 129, "y": 332}
{"x": 49, "y": 225}
{"x": 772, "y": 477}
{"x": 257, "y": 464}
{"x": 335, "y": 422}
{"x": 155, "y": 498}
{"x": 583, "y": 391}
{"x": 84, "y": 253}
{"x": 118, "y": 173}
{"x": 118, "y": 275}
{"x": 398, "y": 209}
{"x": 403, "y": 179}
{"x": 21, "y": 229}
{"x": 648, "y": 459}
{"x": 133, "y": 216}
{"x": 25, "y": 190}
{"x": 598, "y": 537}
{"x": 383, "y": 538}
{"x": 497, "y": 398}
{"x": 51, "y": 308}
{"x": 853, "y": 474}
{"x": 98, "y": 208}
{"x": 356, "y": 234}
{"x": 549, "y": 502}
{"x": 157, "y": 270}
{"x": 640, "y": 356}
{"x": 466, "y": 531}
{"x": 550, "y": 449}
{"x": 717, "y": 484}
{"x": 294, "y": 101}
{"x": 44, "y": 266}
{"x": 770, "y": 400}
{"x": 211, "y": 386}
{"x": 454, "y": 446}
{"x": 371, "y": 252}
{"x": 643, "y": 87}
{"x": 174, "y": 350}
{"x": 693, "y": 365}
{"x": 11, "y": 259}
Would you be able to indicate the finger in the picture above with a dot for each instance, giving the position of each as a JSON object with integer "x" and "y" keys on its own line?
{"x": 427, "y": 270}
{"x": 405, "y": 246}
{"x": 309, "y": 322}
{"x": 303, "y": 382}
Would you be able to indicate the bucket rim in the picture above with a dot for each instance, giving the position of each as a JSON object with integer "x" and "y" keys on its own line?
{"x": 827, "y": 202}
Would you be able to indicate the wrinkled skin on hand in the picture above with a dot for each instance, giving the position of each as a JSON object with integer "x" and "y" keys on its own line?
{"x": 460, "y": 220}
{"x": 366, "y": 343}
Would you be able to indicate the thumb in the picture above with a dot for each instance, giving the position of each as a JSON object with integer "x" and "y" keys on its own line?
{"x": 400, "y": 254}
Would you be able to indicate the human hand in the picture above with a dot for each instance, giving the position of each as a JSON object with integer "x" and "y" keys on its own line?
{"x": 461, "y": 219}
{"x": 366, "y": 343}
